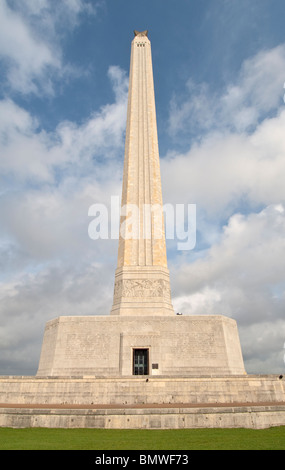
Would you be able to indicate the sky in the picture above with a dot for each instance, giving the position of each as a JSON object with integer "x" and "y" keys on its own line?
{"x": 219, "y": 75}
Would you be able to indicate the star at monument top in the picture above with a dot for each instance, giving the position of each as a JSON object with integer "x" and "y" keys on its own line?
{"x": 140, "y": 34}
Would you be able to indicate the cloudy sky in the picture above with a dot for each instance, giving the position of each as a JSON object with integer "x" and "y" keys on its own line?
{"x": 219, "y": 72}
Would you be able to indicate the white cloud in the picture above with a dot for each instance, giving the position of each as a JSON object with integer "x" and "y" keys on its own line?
{"x": 229, "y": 169}
{"x": 30, "y": 33}
{"x": 31, "y": 300}
{"x": 258, "y": 90}
{"x": 51, "y": 17}
{"x": 241, "y": 276}
{"x": 263, "y": 344}
{"x": 249, "y": 255}
{"x": 28, "y": 154}
{"x": 104, "y": 130}
{"x": 26, "y": 57}
{"x": 22, "y": 149}
{"x": 49, "y": 265}
{"x": 51, "y": 179}
{"x": 235, "y": 173}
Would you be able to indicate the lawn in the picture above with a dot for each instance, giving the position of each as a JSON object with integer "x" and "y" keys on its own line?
{"x": 103, "y": 439}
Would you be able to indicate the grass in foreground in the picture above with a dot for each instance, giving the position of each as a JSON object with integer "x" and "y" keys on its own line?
{"x": 180, "y": 439}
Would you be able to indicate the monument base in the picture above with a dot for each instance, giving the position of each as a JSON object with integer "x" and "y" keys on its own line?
{"x": 251, "y": 416}
{"x": 140, "y": 402}
{"x": 115, "y": 346}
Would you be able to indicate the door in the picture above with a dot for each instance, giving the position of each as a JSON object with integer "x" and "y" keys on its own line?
{"x": 140, "y": 362}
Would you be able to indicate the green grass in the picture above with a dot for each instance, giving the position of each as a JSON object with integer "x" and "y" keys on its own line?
{"x": 103, "y": 439}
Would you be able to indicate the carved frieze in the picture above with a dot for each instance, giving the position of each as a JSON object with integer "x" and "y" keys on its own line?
{"x": 141, "y": 288}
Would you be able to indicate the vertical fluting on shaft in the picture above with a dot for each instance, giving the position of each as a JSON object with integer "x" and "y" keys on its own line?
{"x": 142, "y": 276}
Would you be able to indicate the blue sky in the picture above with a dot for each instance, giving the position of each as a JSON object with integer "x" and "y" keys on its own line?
{"x": 219, "y": 73}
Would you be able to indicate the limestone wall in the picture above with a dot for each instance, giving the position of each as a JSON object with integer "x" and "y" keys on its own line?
{"x": 177, "y": 345}
{"x": 170, "y": 418}
{"x": 142, "y": 390}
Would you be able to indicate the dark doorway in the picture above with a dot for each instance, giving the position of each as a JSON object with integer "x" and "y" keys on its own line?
{"x": 140, "y": 362}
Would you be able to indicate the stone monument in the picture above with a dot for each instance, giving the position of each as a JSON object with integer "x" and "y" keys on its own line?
{"x": 142, "y": 366}
{"x": 142, "y": 336}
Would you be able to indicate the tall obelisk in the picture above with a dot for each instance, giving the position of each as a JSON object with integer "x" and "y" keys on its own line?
{"x": 142, "y": 284}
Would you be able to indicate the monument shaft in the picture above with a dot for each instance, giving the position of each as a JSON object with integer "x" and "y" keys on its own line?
{"x": 142, "y": 279}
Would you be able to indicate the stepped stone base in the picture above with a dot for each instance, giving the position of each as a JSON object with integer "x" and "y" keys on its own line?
{"x": 142, "y": 390}
{"x": 255, "y": 417}
{"x": 176, "y": 345}
{"x": 139, "y": 402}
{"x": 196, "y": 377}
